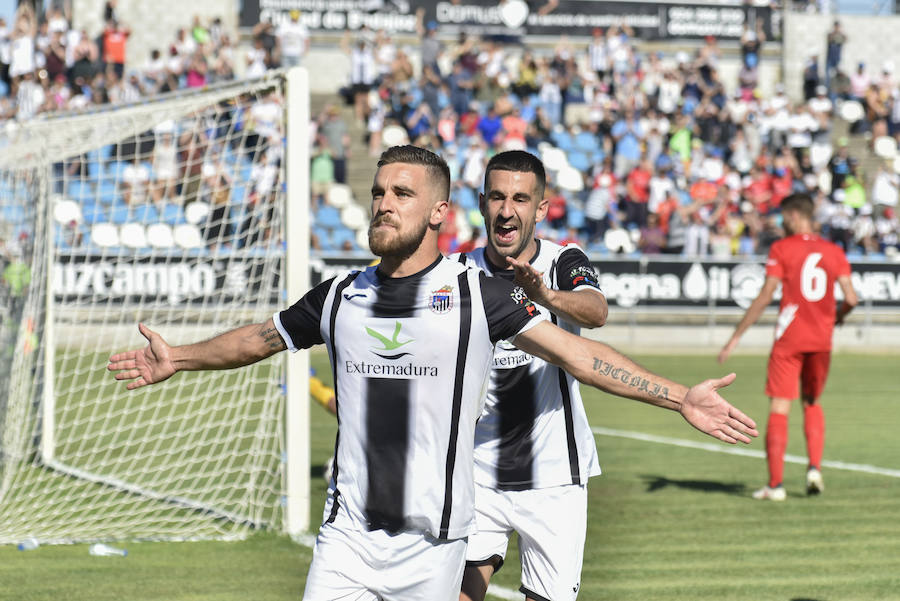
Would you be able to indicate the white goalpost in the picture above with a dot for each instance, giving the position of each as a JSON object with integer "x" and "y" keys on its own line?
{"x": 187, "y": 212}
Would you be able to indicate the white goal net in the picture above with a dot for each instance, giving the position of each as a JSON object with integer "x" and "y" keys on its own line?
{"x": 171, "y": 212}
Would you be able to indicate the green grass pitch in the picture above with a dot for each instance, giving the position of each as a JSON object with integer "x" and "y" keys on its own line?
{"x": 665, "y": 522}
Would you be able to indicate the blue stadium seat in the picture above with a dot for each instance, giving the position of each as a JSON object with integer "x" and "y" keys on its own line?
{"x": 80, "y": 191}
{"x": 173, "y": 214}
{"x": 587, "y": 142}
{"x": 116, "y": 169}
{"x": 329, "y": 217}
{"x": 466, "y": 197}
{"x": 580, "y": 161}
{"x": 343, "y": 234}
{"x": 96, "y": 171}
{"x": 324, "y": 237}
{"x": 14, "y": 214}
{"x": 562, "y": 139}
{"x": 238, "y": 193}
{"x": 108, "y": 193}
{"x": 574, "y": 217}
{"x": 145, "y": 213}
{"x": 93, "y": 213}
{"x": 119, "y": 213}
{"x": 245, "y": 169}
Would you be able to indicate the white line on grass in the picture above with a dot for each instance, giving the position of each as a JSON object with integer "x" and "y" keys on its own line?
{"x": 715, "y": 447}
{"x": 309, "y": 540}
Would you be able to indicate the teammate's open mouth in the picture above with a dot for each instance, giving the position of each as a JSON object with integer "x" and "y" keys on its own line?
{"x": 506, "y": 233}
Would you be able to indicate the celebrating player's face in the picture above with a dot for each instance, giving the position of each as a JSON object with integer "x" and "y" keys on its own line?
{"x": 511, "y": 205}
{"x": 401, "y": 210}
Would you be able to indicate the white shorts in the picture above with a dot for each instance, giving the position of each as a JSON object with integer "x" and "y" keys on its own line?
{"x": 551, "y": 523}
{"x": 352, "y": 565}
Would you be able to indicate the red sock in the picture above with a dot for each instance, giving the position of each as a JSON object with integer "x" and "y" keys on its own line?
{"x": 776, "y": 443}
{"x": 814, "y": 428}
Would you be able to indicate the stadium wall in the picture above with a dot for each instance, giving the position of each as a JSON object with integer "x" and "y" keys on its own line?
{"x": 870, "y": 39}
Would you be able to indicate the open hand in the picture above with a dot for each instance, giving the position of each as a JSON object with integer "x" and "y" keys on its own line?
{"x": 148, "y": 365}
{"x": 530, "y": 279}
{"x": 705, "y": 409}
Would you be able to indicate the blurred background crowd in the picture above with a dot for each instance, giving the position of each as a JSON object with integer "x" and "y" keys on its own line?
{"x": 647, "y": 152}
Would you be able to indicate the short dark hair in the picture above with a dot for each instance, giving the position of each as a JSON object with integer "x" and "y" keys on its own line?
{"x": 517, "y": 160}
{"x": 800, "y": 202}
{"x": 414, "y": 155}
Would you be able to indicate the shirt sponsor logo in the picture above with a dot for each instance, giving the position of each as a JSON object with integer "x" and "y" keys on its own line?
{"x": 441, "y": 301}
{"x": 520, "y": 298}
{"x": 389, "y": 345}
{"x": 582, "y": 276}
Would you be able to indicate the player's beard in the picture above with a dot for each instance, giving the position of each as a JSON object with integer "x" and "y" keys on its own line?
{"x": 391, "y": 242}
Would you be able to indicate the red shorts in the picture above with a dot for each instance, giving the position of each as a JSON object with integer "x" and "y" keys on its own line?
{"x": 787, "y": 369}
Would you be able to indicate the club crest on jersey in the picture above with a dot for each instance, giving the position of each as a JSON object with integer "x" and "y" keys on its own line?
{"x": 441, "y": 301}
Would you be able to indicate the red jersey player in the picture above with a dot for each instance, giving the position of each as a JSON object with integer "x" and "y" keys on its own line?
{"x": 807, "y": 266}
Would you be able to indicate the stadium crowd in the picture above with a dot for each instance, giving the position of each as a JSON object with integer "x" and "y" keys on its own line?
{"x": 658, "y": 156}
{"x": 647, "y": 152}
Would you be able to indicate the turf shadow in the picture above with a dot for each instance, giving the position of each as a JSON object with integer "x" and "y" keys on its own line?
{"x": 655, "y": 483}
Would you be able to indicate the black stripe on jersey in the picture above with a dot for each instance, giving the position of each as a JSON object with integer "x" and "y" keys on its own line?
{"x": 332, "y": 321}
{"x": 462, "y": 258}
{"x": 517, "y": 407}
{"x": 570, "y": 421}
{"x": 387, "y": 406}
{"x": 387, "y": 445}
{"x": 465, "y": 329}
{"x": 395, "y": 297}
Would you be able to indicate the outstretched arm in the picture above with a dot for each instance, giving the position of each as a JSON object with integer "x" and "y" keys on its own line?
{"x": 755, "y": 309}
{"x": 587, "y": 308}
{"x": 158, "y": 361}
{"x": 601, "y": 366}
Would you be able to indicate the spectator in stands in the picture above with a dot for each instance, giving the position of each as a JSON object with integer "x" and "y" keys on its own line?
{"x": 257, "y": 59}
{"x": 834, "y": 45}
{"x": 601, "y": 205}
{"x": 115, "y": 38}
{"x": 628, "y": 136}
{"x": 810, "y": 77}
{"x": 293, "y": 39}
{"x": 885, "y": 189}
{"x": 637, "y": 193}
{"x": 751, "y": 44}
{"x": 859, "y": 83}
{"x": 197, "y": 70}
{"x": 652, "y": 239}
{"x": 21, "y": 43}
{"x": 165, "y": 164}
{"x": 55, "y": 55}
{"x": 334, "y": 129}
{"x": 135, "y": 182}
{"x": 432, "y": 48}
{"x": 216, "y": 191}
{"x": 321, "y": 171}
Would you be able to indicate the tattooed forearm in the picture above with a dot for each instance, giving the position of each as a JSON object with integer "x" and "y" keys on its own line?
{"x": 271, "y": 337}
{"x": 635, "y": 381}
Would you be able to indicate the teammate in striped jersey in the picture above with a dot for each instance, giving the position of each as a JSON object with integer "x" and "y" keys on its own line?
{"x": 411, "y": 344}
{"x": 534, "y": 449}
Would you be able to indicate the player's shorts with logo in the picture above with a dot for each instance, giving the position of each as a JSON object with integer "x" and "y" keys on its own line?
{"x": 358, "y": 565}
{"x": 789, "y": 369}
{"x": 551, "y": 523}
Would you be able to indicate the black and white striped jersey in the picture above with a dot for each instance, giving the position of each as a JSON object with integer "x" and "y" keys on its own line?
{"x": 533, "y": 432}
{"x": 411, "y": 358}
